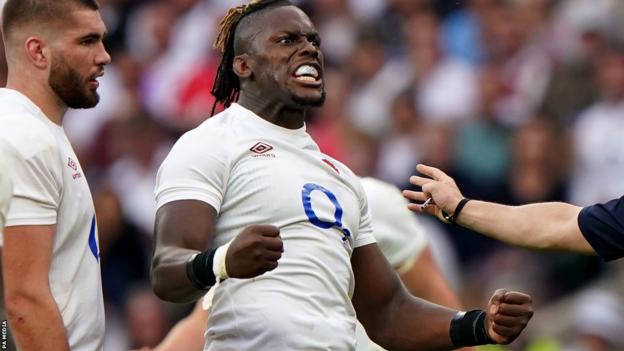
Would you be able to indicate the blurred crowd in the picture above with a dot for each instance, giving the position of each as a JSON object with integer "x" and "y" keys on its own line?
{"x": 519, "y": 100}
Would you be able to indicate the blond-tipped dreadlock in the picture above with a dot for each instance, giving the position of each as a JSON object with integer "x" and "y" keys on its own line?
{"x": 226, "y": 87}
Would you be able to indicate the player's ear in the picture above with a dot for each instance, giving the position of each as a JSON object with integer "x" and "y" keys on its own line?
{"x": 37, "y": 52}
{"x": 241, "y": 66}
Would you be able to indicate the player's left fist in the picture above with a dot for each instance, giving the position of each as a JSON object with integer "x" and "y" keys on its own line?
{"x": 508, "y": 313}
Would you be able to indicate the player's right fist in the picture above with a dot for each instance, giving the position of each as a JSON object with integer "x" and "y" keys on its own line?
{"x": 255, "y": 250}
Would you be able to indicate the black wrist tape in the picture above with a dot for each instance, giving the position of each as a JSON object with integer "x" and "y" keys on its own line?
{"x": 469, "y": 329}
{"x": 199, "y": 270}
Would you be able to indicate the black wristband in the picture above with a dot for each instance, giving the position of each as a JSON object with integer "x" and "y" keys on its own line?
{"x": 460, "y": 206}
{"x": 199, "y": 270}
{"x": 468, "y": 329}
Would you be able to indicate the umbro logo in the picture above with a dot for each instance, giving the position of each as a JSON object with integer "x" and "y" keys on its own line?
{"x": 261, "y": 149}
{"x": 73, "y": 165}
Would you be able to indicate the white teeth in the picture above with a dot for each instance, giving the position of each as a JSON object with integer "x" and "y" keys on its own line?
{"x": 306, "y": 78}
{"x": 306, "y": 70}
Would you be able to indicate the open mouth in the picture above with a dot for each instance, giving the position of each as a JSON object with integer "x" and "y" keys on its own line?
{"x": 308, "y": 74}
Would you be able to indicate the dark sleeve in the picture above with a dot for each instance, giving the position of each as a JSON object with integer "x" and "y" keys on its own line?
{"x": 603, "y": 227}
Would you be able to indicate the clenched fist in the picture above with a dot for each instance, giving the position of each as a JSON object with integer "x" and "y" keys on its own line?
{"x": 254, "y": 251}
{"x": 508, "y": 313}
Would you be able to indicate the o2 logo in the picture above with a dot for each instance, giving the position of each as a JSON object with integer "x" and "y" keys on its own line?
{"x": 306, "y": 197}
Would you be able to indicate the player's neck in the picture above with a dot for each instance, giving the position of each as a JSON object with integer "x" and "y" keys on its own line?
{"x": 41, "y": 95}
{"x": 275, "y": 112}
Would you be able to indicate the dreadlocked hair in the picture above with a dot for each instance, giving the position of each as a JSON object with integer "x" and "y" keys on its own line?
{"x": 226, "y": 88}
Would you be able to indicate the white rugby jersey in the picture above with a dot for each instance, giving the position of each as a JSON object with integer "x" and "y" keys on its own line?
{"x": 6, "y": 185}
{"x": 49, "y": 187}
{"x": 399, "y": 235}
{"x": 254, "y": 172}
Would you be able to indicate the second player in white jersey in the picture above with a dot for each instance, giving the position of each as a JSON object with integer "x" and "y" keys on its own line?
{"x": 51, "y": 270}
{"x": 399, "y": 235}
{"x": 50, "y": 188}
{"x": 283, "y": 179}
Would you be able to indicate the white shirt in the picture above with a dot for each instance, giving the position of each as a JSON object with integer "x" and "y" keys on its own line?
{"x": 50, "y": 188}
{"x": 6, "y": 185}
{"x": 254, "y": 172}
{"x": 399, "y": 235}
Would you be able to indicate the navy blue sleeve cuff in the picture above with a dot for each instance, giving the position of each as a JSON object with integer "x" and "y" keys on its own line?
{"x": 603, "y": 227}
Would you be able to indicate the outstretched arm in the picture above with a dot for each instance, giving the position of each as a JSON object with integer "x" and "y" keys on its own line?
{"x": 548, "y": 225}
{"x": 398, "y": 321}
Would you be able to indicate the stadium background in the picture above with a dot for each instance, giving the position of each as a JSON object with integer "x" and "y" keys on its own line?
{"x": 519, "y": 100}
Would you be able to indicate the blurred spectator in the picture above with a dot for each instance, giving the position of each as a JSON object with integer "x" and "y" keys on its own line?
{"x": 375, "y": 81}
{"x": 337, "y": 28}
{"x": 462, "y": 31}
{"x": 400, "y": 151}
{"x": 390, "y": 23}
{"x": 124, "y": 251}
{"x": 146, "y": 318}
{"x": 572, "y": 87}
{"x": 445, "y": 87}
{"x": 539, "y": 156}
{"x": 174, "y": 40}
{"x": 597, "y": 141}
{"x": 510, "y": 28}
{"x": 142, "y": 146}
{"x": 482, "y": 143}
{"x": 598, "y": 322}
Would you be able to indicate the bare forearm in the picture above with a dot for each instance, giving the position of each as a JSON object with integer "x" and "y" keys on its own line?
{"x": 403, "y": 328}
{"x": 392, "y": 317}
{"x": 36, "y": 323}
{"x": 548, "y": 225}
{"x": 186, "y": 335}
{"x": 182, "y": 229}
{"x": 169, "y": 279}
{"x": 425, "y": 280}
{"x": 551, "y": 225}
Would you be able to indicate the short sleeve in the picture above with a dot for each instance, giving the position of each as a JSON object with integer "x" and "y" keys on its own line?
{"x": 603, "y": 227}
{"x": 197, "y": 168}
{"x": 37, "y": 187}
{"x": 6, "y": 184}
{"x": 365, "y": 231}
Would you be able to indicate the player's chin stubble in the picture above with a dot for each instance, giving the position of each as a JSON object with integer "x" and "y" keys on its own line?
{"x": 70, "y": 87}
